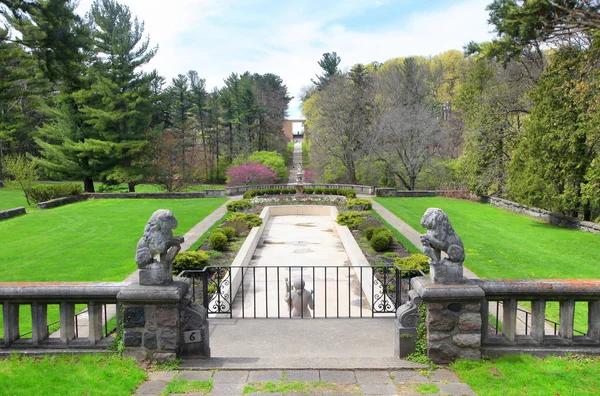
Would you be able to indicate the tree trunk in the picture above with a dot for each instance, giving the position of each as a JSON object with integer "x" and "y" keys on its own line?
{"x": 88, "y": 185}
{"x": 131, "y": 186}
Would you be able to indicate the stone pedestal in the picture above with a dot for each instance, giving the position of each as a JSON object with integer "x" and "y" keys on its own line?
{"x": 152, "y": 320}
{"x": 453, "y": 319}
{"x": 446, "y": 272}
{"x": 156, "y": 274}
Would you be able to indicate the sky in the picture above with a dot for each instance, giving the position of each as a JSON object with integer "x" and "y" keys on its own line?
{"x": 288, "y": 38}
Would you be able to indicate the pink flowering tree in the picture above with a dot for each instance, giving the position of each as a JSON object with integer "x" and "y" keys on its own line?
{"x": 310, "y": 175}
{"x": 250, "y": 174}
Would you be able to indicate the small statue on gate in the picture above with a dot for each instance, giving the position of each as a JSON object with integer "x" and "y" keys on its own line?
{"x": 299, "y": 299}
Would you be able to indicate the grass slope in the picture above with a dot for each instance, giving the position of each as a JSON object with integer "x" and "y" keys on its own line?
{"x": 527, "y": 375}
{"x": 70, "y": 375}
{"x": 93, "y": 240}
{"x": 503, "y": 244}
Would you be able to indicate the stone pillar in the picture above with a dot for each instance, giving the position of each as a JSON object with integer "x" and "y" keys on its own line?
{"x": 453, "y": 321}
{"x": 151, "y": 320}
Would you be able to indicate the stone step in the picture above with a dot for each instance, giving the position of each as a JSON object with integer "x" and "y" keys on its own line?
{"x": 304, "y": 363}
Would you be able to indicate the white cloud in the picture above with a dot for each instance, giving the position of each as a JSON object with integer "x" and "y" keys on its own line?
{"x": 216, "y": 37}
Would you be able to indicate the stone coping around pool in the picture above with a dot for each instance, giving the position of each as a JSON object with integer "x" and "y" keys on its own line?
{"x": 244, "y": 256}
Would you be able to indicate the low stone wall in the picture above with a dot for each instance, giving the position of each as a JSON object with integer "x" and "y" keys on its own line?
{"x": 54, "y": 203}
{"x": 7, "y": 214}
{"x": 157, "y": 195}
{"x": 552, "y": 218}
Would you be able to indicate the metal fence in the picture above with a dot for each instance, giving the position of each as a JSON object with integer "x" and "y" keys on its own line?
{"x": 330, "y": 292}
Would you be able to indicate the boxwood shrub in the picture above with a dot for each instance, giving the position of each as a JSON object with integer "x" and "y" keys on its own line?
{"x": 217, "y": 240}
{"x": 45, "y": 193}
{"x": 350, "y": 219}
{"x": 195, "y": 260}
{"x": 251, "y": 219}
{"x": 238, "y": 206}
{"x": 359, "y": 204}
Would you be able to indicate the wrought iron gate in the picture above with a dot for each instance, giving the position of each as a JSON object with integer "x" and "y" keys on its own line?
{"x": 265, "y": 292}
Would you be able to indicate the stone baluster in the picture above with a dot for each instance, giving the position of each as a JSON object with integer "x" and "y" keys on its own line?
{"x": 594, "y": 320}
{"x": 509, "y": 318}
{"x": 10, "y": 316}
{"x": 567, "y": 317}
{"x": 95, "y": 322}
{"x": 67, "y": 322}
{"x": 39, "y": 322}
{"x": 538, "y": 319}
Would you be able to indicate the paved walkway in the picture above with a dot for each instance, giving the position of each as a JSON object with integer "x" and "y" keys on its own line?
{"x": 306, "y": 382}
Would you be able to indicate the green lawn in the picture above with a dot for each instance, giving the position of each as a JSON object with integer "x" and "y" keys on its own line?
{"x": 502, "y": 244}
{"x": 70, "y": 375}
{"x": 13, "y": 198}
{"x": 527, "y": 375}
{"x": 93, "y": 240}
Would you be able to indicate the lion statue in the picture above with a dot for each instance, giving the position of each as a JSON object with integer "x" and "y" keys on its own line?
{"x": 440, "y": 237}
{"x": 158, "y": 240}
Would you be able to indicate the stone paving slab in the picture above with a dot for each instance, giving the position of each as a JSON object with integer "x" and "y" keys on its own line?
{"x": 443, "y": 375}
{"x": 409, "y": 376}
{"x": 302, "y": 375}
{"x": 455, "y": 389}
{"x": 195, "y": 375}
{"x": 373, "y": 377}
{"x": 222, "y": 389}
{"x": 230, "y": 377}
{"x": 338, "y": 376}
{"x": 164, "y": 376}
{"x": 378, "y": 389}
{"x": 151, "y": 388}
{"x": 265, "y": 376}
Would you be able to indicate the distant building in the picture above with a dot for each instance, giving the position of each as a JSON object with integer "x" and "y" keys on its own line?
{"x": 294, "y": 129}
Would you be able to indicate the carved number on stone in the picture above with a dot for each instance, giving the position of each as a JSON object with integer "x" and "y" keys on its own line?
{"x": 192, "y": 336}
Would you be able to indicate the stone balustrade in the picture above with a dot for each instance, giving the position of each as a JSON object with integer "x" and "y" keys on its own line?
{"x": 39, "y": 296}
{"x": 458, "y": 314}
{"x": 239, "y": 190}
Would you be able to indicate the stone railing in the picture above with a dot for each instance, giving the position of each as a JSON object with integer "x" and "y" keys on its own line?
{"x": 96, "y": 296}
{"x": 155, "y": 195}
{"x": 392, "y": 192}
{"x": 457, "y": 317}
{"x": 239, "y": 190}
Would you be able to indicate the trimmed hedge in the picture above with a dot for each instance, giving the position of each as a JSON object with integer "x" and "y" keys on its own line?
{"x": 352, "y": 220}
{"x": 251, "y": 219}
{"x": 347, "y": 192}
{"x": 195, "y": 260}
{"x": 45, "y": 193}
{"x": 413, "y": 262}
{"x": 359, "y": 204}
{"x": 238, "y": 206}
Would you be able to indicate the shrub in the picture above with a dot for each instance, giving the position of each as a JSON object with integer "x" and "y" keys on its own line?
{"x": 228, "y": 231}
{"x": 349, "y": 193}
{"x": 381, "y": 241}
{"x": 359, "y": 204}
{"x": 251, "y": 219}
{"x": 250, "y": 194}
{"x": 239, "y": 226}
{"x": 217, "y": 240}
{"x": 369, "y": 231}
{"x": 53, "y": 191}
{"x": 413, "y": 262}
{"x": 350, "y": 219}
{"x": 196, "y": 260}
{"x": 238, "y": 206}
{"x": 309, "y": 190}
{"x": 274, "y": 161}
{"x": 318, "y": 190}
{"x": 250, "y": 174}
